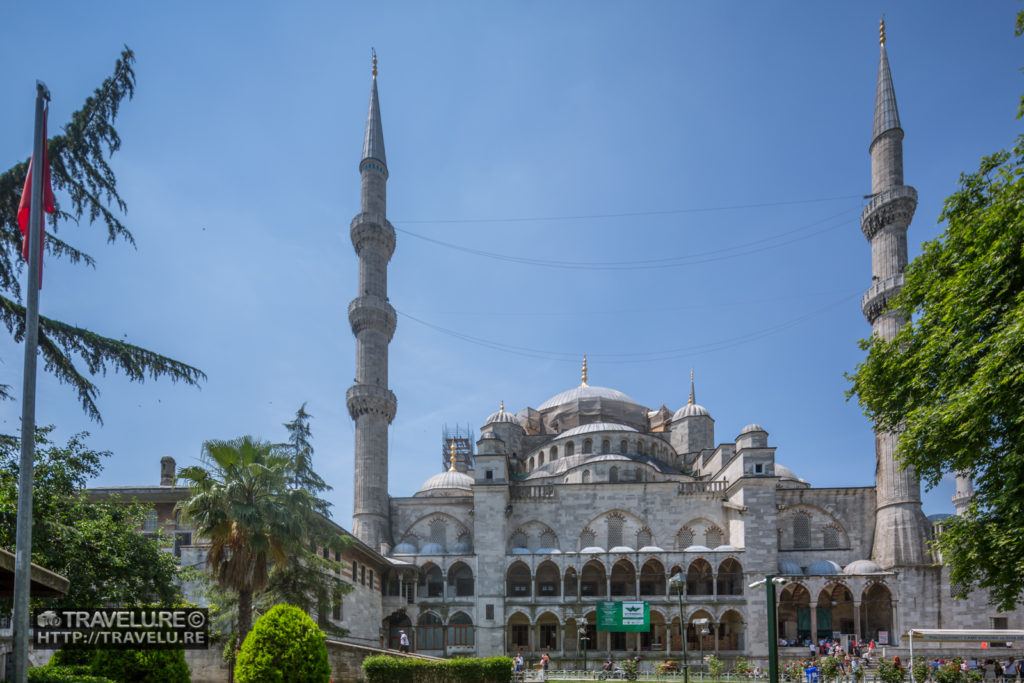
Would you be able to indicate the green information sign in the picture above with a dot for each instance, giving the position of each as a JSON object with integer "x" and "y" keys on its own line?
{"x": 623, "y": 616}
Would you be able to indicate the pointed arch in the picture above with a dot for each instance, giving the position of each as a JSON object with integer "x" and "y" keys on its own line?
{"x": 460, "y": 580}
{"x": 699, "y": 578}
{"x": 652, "y": 578}
{"x": 730, "y": 577}
{"x": 548, "y": 580}
{"x": 623, "y": 579}
{"x": 592, "y": 580}
{"x": 517, "y": 580}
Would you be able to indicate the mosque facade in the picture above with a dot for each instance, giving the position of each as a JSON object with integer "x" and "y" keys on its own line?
{"x": 591, "y": 498}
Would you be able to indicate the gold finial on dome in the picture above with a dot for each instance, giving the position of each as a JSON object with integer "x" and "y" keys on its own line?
{"x": 451, "y": 468}
{"x": 374, "y": 52}
{"x": 881, "y": 31}
{"x": 502, "y": 409}
{"x": 584, "y": 370}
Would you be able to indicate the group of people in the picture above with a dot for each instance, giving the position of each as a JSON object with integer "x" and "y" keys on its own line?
{"x": 518, "y": 665}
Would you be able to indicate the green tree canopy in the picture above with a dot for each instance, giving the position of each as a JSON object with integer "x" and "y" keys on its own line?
{"x": 95, "y": 545}
{"x": 86, "y": 189}
{"x": 952, "y": 380}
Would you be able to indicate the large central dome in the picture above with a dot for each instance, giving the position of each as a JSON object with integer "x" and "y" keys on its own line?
{"x": 584, "y": 392}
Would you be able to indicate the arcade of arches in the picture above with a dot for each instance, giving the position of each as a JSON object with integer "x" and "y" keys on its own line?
{"x": 836, "y": 610}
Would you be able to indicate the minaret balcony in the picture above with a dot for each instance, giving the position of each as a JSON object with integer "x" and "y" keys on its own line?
{"x": 369, "y": 399}
{"x": 372, "y": 313}
{"x": 875, "y": 300}
{"x": 373, "y": 230}
{"x": 894, "y": 206}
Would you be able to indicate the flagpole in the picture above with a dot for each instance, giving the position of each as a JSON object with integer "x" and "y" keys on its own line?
{"x": 23, "y": 554}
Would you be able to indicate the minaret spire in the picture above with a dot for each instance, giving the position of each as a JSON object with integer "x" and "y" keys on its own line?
{"x": 692, "y": 397}
{"x": 900, "y": 525}
{"x": 370, "y": 403}
{"x": 584, "y": 377}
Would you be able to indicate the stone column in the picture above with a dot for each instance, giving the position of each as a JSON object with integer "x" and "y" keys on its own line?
{"x": 856, "y": 619}
{"x": 814, "y": 625}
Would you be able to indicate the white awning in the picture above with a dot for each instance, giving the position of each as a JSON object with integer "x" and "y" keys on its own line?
{"x": 964, "y": 635}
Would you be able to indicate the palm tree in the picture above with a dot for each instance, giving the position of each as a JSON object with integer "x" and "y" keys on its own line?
{"x": 243, "y": 504}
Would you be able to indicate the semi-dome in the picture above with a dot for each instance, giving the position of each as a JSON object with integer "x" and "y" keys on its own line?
{"x": 824, "y": 568}
{"x": 597, "y": 427}
{"x": 502, "y": 417}
{"x": 862, "y": 567}
{"x": 790, "y": 568}
{"x": 450, "y": 483}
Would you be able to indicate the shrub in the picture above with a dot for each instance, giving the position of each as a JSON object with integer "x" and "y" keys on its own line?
{"x": 284, "y": 645}
{"x": 64, "y": 674}
{"x": 71, "y": 657}
{"x": 715, "y": 666}
{"x": 828, "y": 668}
{"x": 386, "y": 669}
{"x": 920, "y": 669}
{"x": 742, "y": 666}
{"x": 152, "y": 666}
{"x": 889, "y": 673}
{"x": 669, "y": 666}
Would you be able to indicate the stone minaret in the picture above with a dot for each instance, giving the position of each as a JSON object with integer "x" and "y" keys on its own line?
{"x": 370, "y": 403}
{"x": 899, "y": 522}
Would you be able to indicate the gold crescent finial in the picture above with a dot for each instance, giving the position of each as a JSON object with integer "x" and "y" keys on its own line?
{"x": 451, "y": 467}
{"x": 374, "y": 62}
{"x": 502, "y": 409}
{"x": 881, "y": 31}
{"x": 584, "y": 369}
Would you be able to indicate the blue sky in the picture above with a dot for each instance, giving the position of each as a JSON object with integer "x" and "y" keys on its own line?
{"x": 715, "y": 152}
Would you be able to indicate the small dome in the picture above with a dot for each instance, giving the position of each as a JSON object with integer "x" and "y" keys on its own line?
{"x": 548, "y": 551}
{"x": 652, "y": 549}
{"x": 621, "y": 549}
{"x": 597, "y": 427}
{"x": 724, "y": 549}
{"x": 788, "y": 478}
{"x": 404, "y": 549}
{"x": 451, "y": 483}
{"x": 592, "y": 549}
{"x": 691, "y": 410}
{"x": 502, "y": 417}
{"x": 490, "y": 435}
{"x": 862, "y": 567}
{"x": 521, "y": 551}
{"x": 698, "y": 549}
{"x": 432, "y": 549}
{"x": 753, "y": 427}
{"x": 462, "y": 549}
{"x": 790, "y": 568}
{"x": 824, "y": 568}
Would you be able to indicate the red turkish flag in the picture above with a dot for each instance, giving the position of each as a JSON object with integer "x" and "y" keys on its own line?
{"x": 24, "y": 207}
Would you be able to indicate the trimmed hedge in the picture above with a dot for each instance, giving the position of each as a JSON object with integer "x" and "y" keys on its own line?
{"x": 152, "y": 666}
{"x": 63, "y": 674}
{"x": 388, "y": 669}
{"x": 284, "y": 645}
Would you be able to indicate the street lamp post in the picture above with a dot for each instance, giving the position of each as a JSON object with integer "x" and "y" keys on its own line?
{"x": 770, "y": 582}
{"x": 678, "y": 581}
{"x": 702, "y": 625}
{"x": 581, "y": 631}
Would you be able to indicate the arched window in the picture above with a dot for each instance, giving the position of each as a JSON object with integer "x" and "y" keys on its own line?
{"x": 554, "y": 453}
{"x": 801, "y": 530}
{"x": 429, "y": 632}
{"x": 529, "y": 468}
{"x": 586, "y": 476}
{"x": 548, "y": 540}
{"x": 588, "y": 446}
{"x": 623, "y": 447}
{"x": 643, "y": 538}
{"x": 684, "y": 539}
{"x": 587, "y": 539}
{"x": 831, "y": 535}
{"x": 613, "y": 474}
{"x": 460, "y": 630}
{"x": 540, "y": 459}
{"x": 570, "y": 448}
{"x": 606, "y": 446}
{"x": 713, "y": 537}
{"x": 614, "y": 531}
{"x": 438, "y": 533}
{"x": 518, "y": 540}
{"x": 640, "y": 447}
{"x": 460, "y": 578}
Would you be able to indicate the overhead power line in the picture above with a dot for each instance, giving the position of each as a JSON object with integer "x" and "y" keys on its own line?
{"x": 625, "y": 214}
{"x": 744, "y": 249}
{"x": 642, "y": 357}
